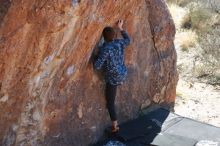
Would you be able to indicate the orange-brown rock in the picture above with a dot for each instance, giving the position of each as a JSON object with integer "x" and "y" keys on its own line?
{"x": 49, "y": 92}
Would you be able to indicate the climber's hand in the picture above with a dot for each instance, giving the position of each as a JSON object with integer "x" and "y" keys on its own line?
{"x": 120, "y": 24}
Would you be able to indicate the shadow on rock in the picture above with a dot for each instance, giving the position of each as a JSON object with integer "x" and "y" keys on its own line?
{"x": 4, "y": 6}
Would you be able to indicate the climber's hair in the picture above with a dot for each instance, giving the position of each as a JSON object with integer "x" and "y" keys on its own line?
{"x": 108, "y": 33}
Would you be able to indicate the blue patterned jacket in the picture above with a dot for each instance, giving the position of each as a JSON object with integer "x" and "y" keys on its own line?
{"x": 111, "y": 59}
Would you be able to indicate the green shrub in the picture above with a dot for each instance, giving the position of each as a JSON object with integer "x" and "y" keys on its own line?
{"x": 181, "y": 3}
{"x": 210, "y": 52}
{"x": 199, "y": 18}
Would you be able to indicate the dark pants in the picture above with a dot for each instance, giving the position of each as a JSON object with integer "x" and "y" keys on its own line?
{"x": 110, "y": 94}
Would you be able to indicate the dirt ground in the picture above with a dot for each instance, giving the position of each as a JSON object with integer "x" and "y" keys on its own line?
{"x": 198, "y": 101}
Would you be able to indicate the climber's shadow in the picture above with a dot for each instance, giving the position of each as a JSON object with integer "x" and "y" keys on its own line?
{"x": 139, "y": 132}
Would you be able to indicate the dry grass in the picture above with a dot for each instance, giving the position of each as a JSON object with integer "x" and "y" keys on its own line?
{"x": 186, "y": 22}
{"x": 178, "y": 14}
{"x": 200, "y": 70}
{"x": 186, "y": 39}
{"x": 194, "y": 15}
{"x": 209, "y": 41}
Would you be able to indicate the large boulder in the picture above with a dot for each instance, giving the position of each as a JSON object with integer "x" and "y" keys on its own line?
{"x": 49, "y": 91}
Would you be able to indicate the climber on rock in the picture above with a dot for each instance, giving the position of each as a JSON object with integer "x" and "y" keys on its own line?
{"x": 111, "y": 59}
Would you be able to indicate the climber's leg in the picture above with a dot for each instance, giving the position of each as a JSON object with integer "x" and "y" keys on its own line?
{"x": 111, "y": 91}
{"x": 115, "y": 127}
{"x": 110, "y": 100}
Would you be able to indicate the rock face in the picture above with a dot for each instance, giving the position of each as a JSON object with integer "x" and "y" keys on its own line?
{"x": 49, "y": 92}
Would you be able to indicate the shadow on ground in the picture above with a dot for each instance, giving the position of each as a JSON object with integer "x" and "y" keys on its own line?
{"x": 161, "y": 127}
{"x": 138, "y": 132}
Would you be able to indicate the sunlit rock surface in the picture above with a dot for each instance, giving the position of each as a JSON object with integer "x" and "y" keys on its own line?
{"x": 49, "y": 92}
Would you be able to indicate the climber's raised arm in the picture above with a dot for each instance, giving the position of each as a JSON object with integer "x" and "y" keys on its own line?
{"x": 126, "y": 39}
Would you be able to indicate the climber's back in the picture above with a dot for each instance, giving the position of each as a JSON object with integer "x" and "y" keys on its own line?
{"x": 111, "y": 56}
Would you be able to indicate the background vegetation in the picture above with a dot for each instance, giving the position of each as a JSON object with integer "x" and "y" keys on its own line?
{"x": 198, "y": 38}
{"x": 197, "y": 43}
